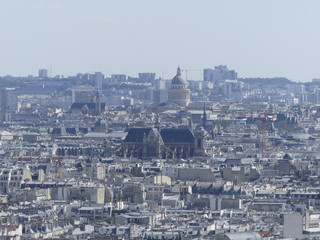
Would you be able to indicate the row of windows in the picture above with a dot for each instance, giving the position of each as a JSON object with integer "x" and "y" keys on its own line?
{"x": 178, "y": 96}
{"x": 313, "y": 225}
{"x": 12, "y": 178}
{"x": 2, "y": 184}
{"x": 154, "y": 189}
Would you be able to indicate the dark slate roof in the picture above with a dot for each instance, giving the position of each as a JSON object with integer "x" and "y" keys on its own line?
{"x": 136, "y": 134}
{"x": 169, "y": 104}
{"x": 233, "y": 161}
{"x": 281, "y": 117}
{"x": 56, "y": 131}
{"x": 71, "y": 131}
{"x": 172, "y": 135}
{"x": 178, "y": 80}
{"x": 84, "y": 130}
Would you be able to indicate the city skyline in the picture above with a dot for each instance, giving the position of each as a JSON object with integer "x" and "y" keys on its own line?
{"x": 105, "y": 132}
{"x": 258, "y": 39}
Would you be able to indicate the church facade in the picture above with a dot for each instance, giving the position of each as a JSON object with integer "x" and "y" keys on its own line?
{"x": 166, "y": 143}
{"x": 147, "y": 143}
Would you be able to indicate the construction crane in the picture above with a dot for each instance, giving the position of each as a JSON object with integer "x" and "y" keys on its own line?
{"x": 264, "y": 118}
{"x": 187, "y": 70}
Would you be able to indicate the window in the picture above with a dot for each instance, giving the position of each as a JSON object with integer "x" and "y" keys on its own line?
{"x": 199, "y": 143}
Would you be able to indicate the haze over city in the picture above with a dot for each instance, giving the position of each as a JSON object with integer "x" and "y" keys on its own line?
{"x": 149, "y": 119}
{"x": 258, "y": 38}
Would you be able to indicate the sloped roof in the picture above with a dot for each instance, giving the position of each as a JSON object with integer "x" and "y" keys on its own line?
{"x": 56, "y": 131}
{"x": 5, "y": 133}
{"x": 249, "y": 235}
{"x": 172, "y": 135}
{"x": 71, "y": 130}
{"x": 136, "y": 134}
{"x": 84, "y": 130}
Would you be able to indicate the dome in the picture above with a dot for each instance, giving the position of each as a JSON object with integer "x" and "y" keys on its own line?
{"x": 179, "y": 92}
{"x": 178, "y": 80}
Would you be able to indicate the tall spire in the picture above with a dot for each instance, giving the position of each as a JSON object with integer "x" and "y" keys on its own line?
{"x": 190, "y": 124}
{"x": 204, "y": 117}
{"x": 179, "y": 71}
{"x": 157, "y": 123}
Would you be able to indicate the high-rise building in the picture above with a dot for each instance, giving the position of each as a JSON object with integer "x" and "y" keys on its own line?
{"x": 162, "y": 84}
{"x": 120, "y": 78}
{"x": 43, "y": 73}
{"x": 8, "y": 100}
{"x": 98, "y": 79}
{"x": 147, "y": 77}
{"x": 8, "y": 103}
{"x": 84, "y": 94}
{"x": 220, "y": 72}
{"x": 87, "y": 100}
{"x": 160, "y": 95}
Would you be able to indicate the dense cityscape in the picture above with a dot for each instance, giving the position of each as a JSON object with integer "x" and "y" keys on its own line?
{"x": 119, "y": 157}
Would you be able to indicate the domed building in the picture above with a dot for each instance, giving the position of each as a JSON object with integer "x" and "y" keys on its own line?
{"x": 179, "y": 92}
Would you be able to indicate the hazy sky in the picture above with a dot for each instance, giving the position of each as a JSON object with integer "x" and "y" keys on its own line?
{"x": 257, "y": 38}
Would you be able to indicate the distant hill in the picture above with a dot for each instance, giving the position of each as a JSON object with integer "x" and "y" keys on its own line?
{"x": 281, "y": 81}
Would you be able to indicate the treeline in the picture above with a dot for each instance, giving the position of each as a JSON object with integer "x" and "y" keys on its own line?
{"x": 267, "y": 81}
{"x": 7, "y": 82}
